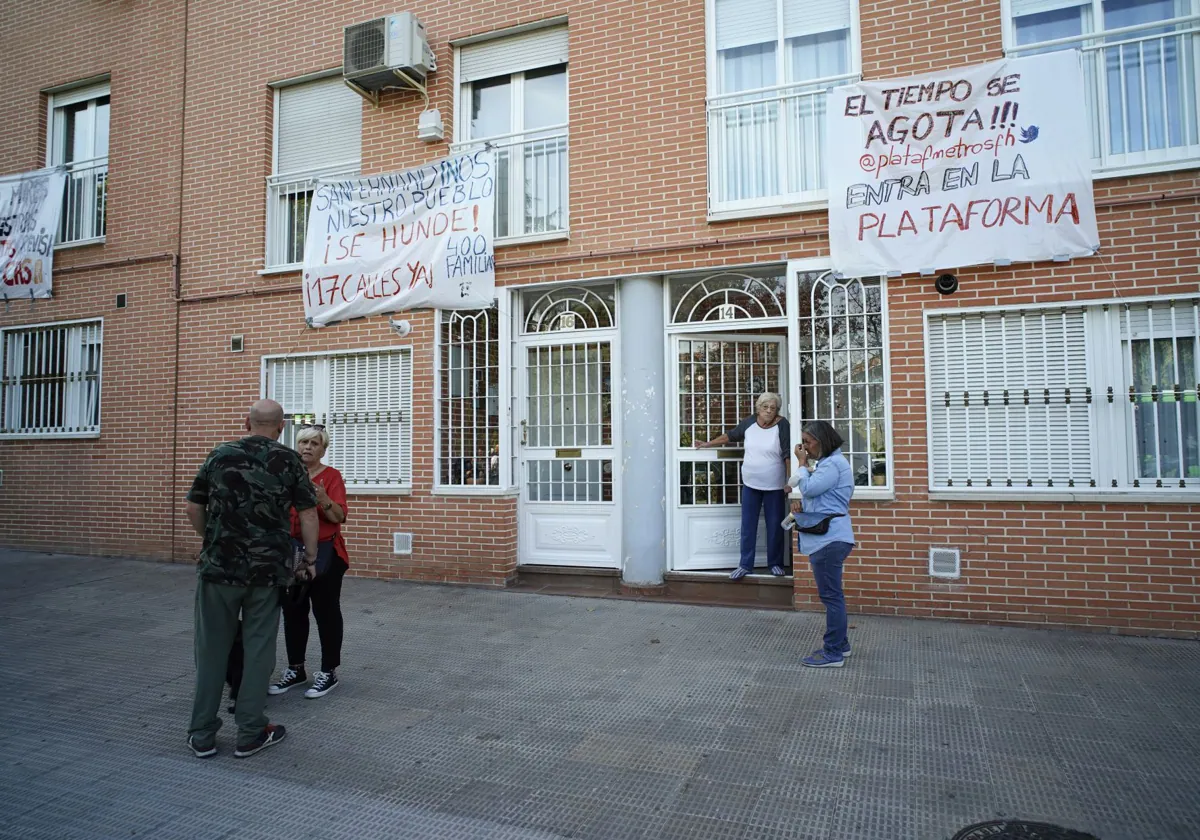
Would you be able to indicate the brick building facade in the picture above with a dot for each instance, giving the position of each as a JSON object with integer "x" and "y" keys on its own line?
{"x": 503, "y": 442}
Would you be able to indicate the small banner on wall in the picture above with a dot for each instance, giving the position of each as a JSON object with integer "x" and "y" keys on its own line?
{"x": 965, "y": 167}
{"x": 421, "y": 238}
{"x": 29, "y": 208}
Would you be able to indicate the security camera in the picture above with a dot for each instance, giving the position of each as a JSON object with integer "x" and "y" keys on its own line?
{"x": 946, "y": 284}
{"x": 400, "y": 328}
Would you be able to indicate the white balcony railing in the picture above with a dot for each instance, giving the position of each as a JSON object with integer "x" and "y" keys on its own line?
{"x": 85, "y": 201}
{"x": 531, "y": 181}
{"x": 766, "y": 147}
{"x": 288, "y": 198}
{"x": 1141, "y": 88}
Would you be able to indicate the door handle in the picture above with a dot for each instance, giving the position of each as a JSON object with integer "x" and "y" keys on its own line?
{"x": 524, "y": 432}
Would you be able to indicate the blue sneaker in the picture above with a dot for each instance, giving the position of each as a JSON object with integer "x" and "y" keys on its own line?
{"x": 821, "y": 659}
{"x": 846, "y": 651}
{"x": 738, "y": 573}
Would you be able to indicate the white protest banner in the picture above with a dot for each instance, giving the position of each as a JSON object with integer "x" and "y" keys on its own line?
{"x": 412, "y": 239}
{"x": 29, "y": 208}
{"x": 965, "y": 167}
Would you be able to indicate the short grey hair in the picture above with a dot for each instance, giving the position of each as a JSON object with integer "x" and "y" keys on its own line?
{"x": 767, "y": 397}
{"x": 311, "y": 432}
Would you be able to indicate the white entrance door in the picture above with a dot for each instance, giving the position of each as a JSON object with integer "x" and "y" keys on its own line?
{"x": 716, "y": 379}
{"x": 570, "y": 489}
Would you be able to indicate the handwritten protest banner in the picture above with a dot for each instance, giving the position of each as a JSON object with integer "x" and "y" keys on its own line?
{"x": 29, "y": 208}
{"x": 412, "y": 239}
{"x": 967, "y": 167}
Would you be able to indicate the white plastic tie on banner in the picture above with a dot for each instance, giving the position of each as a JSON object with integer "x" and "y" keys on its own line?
{"x": 926, "y": 272}
{"x": 1002, "y": 263}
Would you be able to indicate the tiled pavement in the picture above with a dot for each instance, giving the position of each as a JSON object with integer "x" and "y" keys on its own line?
{"x": 480, "y": 714}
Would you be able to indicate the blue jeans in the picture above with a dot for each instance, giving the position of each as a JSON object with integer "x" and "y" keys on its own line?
{"x": 774, "y": 503}
{"x": 827, "y": 572}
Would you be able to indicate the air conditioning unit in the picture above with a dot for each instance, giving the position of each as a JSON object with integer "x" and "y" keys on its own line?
{"x": 389, "y": 51}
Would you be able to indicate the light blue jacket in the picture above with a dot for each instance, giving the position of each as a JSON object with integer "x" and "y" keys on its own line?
{"x": 828, "y": 489}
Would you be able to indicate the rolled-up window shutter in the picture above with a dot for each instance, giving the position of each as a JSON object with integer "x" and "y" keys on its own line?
{"x": 812, "y": 17}
{"x": 741, "y": 23}
{"x": 320, "y": 125}
{"x": 514, "y": 54}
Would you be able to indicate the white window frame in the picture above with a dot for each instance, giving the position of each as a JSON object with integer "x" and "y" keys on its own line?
{"x": 320, "y": 412}
{"x": 280, "y": 184}
{"x": 1105, "y": 367}
{"x": 70, "y": 399}
{"x": 1093, "y": 44}
{"x": 752, "y": 208}
{"x": 504, "y": 337}
{"x": 82, "y": 170}
{"x": 868, "y": 492}
{"x": 515, "y": 140}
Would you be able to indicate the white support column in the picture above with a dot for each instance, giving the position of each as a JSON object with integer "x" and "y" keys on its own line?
{"x": 644, "y": 434}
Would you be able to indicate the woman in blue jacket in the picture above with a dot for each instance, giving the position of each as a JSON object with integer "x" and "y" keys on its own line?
{"x": 825, "y": 487}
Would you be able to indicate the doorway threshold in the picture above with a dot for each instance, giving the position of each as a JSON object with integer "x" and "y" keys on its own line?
{"x": 759, "y": 591}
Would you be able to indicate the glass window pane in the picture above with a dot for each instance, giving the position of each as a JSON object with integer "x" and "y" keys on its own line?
{"x": 819, "y": 56}
{"x": 746, "y": 68}
{"x": 546, "y": 97}
{"x": 491, "y": 109}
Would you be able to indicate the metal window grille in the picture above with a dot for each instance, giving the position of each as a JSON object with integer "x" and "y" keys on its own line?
{"x": 469, "y": 399}
{"x": 727, "y": 296}
{"x": 1098, "y": 397}
{"x": 85, "y": 201}
{"x": 288, "y": 199}
{"x": 1141, "y": 88}
{"x": 719, "y": 380}
{"x": 709, "y": 482}
{"x": 573, "y": 480}
{"x": 51, "y": 380}
{"x": 531, "y": 180}
{"x": 572, "y": 308}
{"x": 842, "y": 367}
{"x": 569, "y": 401}
{"x": 365, "y": 402}
{"x": 1160, "y": 354}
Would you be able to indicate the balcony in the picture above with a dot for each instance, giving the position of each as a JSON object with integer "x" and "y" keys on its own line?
{"x": 85, "y": 202}
{"x": 766, "y": 148}
{"x": 1141, "y": 89}
{"x": 288, "y": 198}
{"x": 531, "y": 183}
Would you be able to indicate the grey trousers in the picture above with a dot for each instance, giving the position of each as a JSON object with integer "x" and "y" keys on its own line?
{"x": 217, "y": 610}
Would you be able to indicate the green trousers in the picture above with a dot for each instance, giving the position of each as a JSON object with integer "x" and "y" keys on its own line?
{"x": 218, "y": 607}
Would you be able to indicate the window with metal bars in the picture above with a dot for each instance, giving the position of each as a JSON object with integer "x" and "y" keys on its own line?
{"x": 843, "y": 368}
{"x": 318, "y": 134}
{"x": 364, "y": 400}
{"x": 51, "y": 380}
{"x": 78, "y": 141}
{"x": 1094, "y": 397}
{"x": 468, "y": 453}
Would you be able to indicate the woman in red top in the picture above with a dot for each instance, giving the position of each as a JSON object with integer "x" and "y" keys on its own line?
{"x": 325, "y": 590}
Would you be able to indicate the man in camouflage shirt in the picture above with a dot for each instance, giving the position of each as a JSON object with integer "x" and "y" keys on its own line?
{"x": 239, "y": 503}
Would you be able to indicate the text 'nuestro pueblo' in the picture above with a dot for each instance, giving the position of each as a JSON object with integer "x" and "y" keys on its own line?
{"x": 421, "y": 238}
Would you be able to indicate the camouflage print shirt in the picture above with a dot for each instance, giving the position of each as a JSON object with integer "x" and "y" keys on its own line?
{"x": 248, "y": 487}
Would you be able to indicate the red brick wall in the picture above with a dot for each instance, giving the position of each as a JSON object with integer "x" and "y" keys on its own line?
{"x": 106, "y": 496}
{"x": 637, "y": 204}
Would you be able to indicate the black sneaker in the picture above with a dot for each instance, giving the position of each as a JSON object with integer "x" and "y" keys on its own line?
{"x": 323, "y": 683}
{"x": 290, "y": 678}
{"x": 201, "y": 752}
{"x": 272, "y": 734}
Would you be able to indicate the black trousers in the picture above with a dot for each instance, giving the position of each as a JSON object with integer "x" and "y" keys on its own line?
{"x": 325, "y": 597}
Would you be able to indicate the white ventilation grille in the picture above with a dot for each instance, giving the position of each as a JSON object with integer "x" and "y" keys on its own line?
{"x": 945, "y": 562}
{"x": 402, "y": 543}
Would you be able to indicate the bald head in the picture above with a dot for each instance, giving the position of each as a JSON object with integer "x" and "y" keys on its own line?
{"x": 266, "y": 419}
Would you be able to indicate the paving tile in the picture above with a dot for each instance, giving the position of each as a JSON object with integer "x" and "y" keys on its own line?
{"x": 468, "y": 714}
